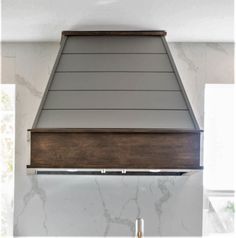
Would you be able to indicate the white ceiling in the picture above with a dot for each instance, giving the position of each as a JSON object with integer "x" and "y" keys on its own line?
{"x": 184, "y": 20}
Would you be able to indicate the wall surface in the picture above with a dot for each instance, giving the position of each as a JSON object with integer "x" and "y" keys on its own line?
{"x": 97, "y": 206}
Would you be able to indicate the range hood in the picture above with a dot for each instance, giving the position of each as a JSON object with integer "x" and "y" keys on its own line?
{"x": 115, "y": 105}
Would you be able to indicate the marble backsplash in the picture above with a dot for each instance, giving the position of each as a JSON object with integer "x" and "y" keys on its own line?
{"x": 105, "y": 205}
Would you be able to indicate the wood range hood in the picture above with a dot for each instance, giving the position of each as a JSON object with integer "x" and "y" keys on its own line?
{"x": 114, "y": 105}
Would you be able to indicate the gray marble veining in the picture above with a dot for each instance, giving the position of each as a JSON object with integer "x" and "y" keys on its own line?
{"x": 217, "y": 47}
{"x": 34, "y": 191}
{"x": 21, "y": 81}
{"x": 117, "y": 219}
{"x": 182, "y": 54}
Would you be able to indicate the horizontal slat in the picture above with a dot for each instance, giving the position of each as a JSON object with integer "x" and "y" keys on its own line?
{"x": 114, "y": 62}
{"x": 114, "y": 119}
{"x": 118, "y": 44}
{"x": 115, "y": 100}
{"x": 114, "y": 81}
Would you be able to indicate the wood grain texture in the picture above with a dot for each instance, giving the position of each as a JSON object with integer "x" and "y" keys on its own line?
{"x": 115, "y": 150}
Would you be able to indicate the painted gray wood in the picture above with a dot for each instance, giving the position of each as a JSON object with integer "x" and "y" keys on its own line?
{"x": 114, "y": 62}
{"x": 114, "y": 81}
{"x": 115, "y": 100}
{"x": 115, "y": 119}
{"x": 118, "y": 44}
{"x": 99, "y": 76}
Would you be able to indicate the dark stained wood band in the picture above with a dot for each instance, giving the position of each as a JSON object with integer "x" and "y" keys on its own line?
{"x": 115, "y": 150}
{"x": 115, "y": 130}
{"x": 114, "y": 33}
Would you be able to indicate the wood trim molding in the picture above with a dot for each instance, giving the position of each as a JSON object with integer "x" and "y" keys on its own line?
{"x": 114, "y": 130}
{"x": 114, "y": 33}
{"x": 132, "y": 150}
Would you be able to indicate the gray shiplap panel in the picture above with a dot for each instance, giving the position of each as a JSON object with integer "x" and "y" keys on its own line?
{"x": 115, "y": 100}
{"x": 114, "y": 62}
{"x": 102, "y": 44}
{"x": 115, "y": 119}
{"x": 114, "y": 81}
